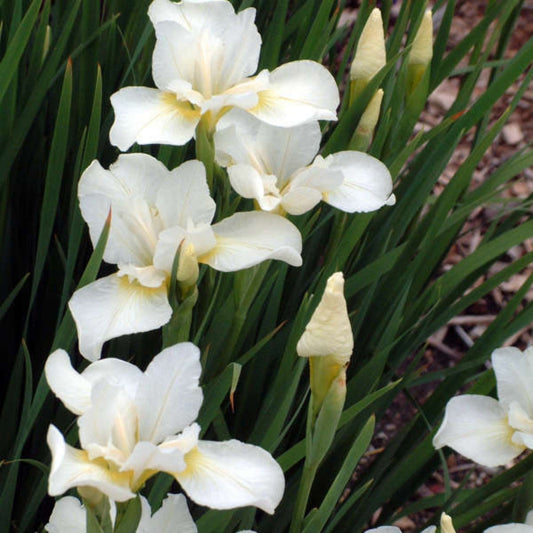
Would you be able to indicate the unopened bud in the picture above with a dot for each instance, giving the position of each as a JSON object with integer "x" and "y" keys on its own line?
{"x": 370, "y": 55}
{"x": 422, "y": 50}
{"x": 370, "y": 117}
{"x": 446, "y": 525}
{"x": 329, "y": 331}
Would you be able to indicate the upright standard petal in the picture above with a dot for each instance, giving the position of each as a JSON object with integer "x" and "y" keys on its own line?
{"x": 224, "y": 475}
{"x": 242, "y": 138}
{"x": 514, "y": 375}
{"x": 66, "y": 383}
{"x": 112, "y": 306}
{"x": 247, "y": 239}
{"x": 184, "y": 200}
{"x": 367, "y": 184}
{"x": 477, "y": 427}
{"x": 128, "y": 189}
{"x": 169, "y": 396}
{"x": 298, "y": 92}
{"x": 149, "y": 116}
{"x": 72, "y": 468}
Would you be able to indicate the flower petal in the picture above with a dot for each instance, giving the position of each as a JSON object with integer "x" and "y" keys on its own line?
{"x": 115, "y": 372}
{"x": 72, "y": 468}
{"x": 246, "y": 181}
{"x": 299, "y": 92}
{"x": 514, "y": 375}
{"x": 510, "y": 528}
{"x": 109, "y": 428}
{"x": 151, "y": 116}
{"x": 112, "y": 306}
{"x": 224, "y": 475}
{"x": 129, "y": 190}
{"x": 146, "y": 459}
{"x": 222, "y": 47}
{"x": 476, "y": 427}
{"x": 241, "y": 138}
{"x": 66, "y": 383}
{"x": 172, "y": 516}
{"x": 68, "y": 516}
{"x": 184, "y": 200}
{"x": 299, "y": 200}
{"x": 247, "y": 239}
{"x": 169, "y": 396}
{"x": 367, "y": 182}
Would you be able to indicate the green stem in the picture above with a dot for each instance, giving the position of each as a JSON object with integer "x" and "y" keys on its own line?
{"x": 306, "y": 482}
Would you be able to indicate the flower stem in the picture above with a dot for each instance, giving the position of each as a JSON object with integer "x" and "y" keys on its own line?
{"x": 306, "y": 482}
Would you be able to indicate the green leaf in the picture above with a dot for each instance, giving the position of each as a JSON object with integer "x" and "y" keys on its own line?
{"x": 343, "y": 476}
{"x": 16, "y": 47}
{"x": 54, "y": 175}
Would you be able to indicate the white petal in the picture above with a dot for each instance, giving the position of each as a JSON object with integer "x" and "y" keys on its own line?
{"x": 246, "y": 181}
{"x": 222, "y": 47}
{"x": 320, "y": 178}
{"x": 514, "y": 375}
{"x": 112, "y": 306}
{"x": 184, "y": 200}
{"x": 367, "y": 182}
{"x": 66, "y": 383}
{"x": 115, "y": 372}
{"x": 129, "y": 190}
{"x": 384, "y": 529}
{"x": 510, "y": 528}
{"x": 299, "y": 92}
{"x": 224, "y": 475}
{"x": 149, "y": 458}
{"x": 270, "y": 149}
{"x": 109, "y": 428}
{"x": 169, "y": 396}
{"x": 476, "y": 427}
{"x": 247, "y": 239}
{"x": 150, "y": 276}
{"x": 299, "y": 200}
{"x": 68, "y": 516}
{"x": 198, "y": 240}
{"x": 173, "y": 516}
{"x": 72, "y": 468}
{"x": 151, "y": 116}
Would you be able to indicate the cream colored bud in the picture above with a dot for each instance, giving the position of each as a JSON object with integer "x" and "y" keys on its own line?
{"x": 370, "y": 55}
{"x": 446, "y": 525}
{"x": 329, "y": 331}
{"x": 188, "y": 267}
{"x": 422, "y": 50}
{"x": 370, "y": 117}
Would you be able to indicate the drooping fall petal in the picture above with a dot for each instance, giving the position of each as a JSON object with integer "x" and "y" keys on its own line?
{"x": 477, "y": 427}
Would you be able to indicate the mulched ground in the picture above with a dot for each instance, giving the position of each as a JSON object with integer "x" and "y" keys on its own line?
{"x": 447, "y": 346}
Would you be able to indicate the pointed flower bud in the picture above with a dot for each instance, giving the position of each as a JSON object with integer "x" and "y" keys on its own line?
{"x": 370, "y": 55}
{"x": 328, "y": 342}
{"x": 329, "y": 331}
{"x": 446, "y": 524}
{"x": 370, "y": 117}
{"x": 422, "y": 50}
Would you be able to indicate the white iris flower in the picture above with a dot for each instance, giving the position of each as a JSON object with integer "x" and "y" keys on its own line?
{"x": 134, "y": 424}
{"x": 153, "y": 211}
{"x": 280, "y": 169}
{"x": 203, "y": 62}
{"x": 493, "y": 432}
